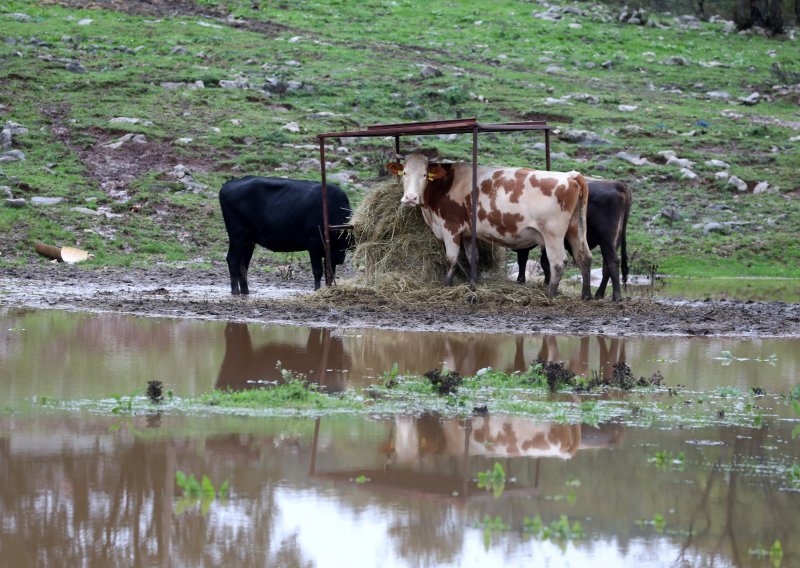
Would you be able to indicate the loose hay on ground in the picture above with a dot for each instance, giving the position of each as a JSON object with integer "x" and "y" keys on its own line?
{"x": 392, "y": 238}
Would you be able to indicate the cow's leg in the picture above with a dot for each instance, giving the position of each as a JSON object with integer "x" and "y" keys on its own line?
{"x": 545, "y": 262}
{"x": 452, "y": 248}
{"x": 610, "y": 270}
{"x": 316, "y": 267}
{"x": 583, "y": 258}
{"x": 236, "y": 251}
{"x": 557, "y": 257}
{"x": 522, "y": 263}
{"x": 247, "y": 255}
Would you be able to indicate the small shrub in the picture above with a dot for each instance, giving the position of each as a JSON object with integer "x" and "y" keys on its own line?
{"x": 445, "y": 382}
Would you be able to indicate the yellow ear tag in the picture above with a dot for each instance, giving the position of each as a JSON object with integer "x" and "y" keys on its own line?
{"x": 431, "y": 177}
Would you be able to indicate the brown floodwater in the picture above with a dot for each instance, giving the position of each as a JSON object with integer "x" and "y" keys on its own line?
{"x": 67, "y": 355}
{"x": 351, "y": 491}
{"x": 81, "y": 489}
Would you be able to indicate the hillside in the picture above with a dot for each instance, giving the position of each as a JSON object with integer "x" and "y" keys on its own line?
{"x": 130, "y": 116}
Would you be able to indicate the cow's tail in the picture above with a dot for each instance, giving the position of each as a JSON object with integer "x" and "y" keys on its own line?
{"x": 624, "y": 238}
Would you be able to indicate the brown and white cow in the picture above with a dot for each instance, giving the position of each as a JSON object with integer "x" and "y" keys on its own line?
{"x": 517, "y": 208}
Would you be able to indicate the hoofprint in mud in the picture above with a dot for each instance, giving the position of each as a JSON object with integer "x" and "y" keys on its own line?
{"x": 203, "y": 293}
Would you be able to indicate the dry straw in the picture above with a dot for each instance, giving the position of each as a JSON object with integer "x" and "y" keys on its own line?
{"x": 404, "y": 263}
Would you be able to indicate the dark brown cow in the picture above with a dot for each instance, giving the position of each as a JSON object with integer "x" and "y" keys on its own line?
{"x": 517, "y": 208}
{"x": 606, "y": 225}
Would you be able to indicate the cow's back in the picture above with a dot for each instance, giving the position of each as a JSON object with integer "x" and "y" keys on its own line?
{"x": 280, "y": 214}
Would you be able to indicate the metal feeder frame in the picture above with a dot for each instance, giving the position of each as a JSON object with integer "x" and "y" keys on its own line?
{"x": 458, "y": 126}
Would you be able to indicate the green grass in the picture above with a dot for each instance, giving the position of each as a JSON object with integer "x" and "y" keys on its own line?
{"x": 359, "y": 64}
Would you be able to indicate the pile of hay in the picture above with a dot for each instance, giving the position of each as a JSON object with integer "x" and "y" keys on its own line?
{"x": 392, "y": 239}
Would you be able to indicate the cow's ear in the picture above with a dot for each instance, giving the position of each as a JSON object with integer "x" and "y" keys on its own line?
{"x": 395, "y": 168}
{"x": 436, "y": 171}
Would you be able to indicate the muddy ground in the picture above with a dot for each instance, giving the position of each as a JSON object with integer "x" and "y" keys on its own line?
{"x": 194, "y": 293}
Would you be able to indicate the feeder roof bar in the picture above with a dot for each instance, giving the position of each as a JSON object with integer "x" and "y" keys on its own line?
{"x": 458, "y": 126}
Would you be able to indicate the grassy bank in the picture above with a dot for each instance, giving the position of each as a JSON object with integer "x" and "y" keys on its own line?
{"x": 68, "y": 71}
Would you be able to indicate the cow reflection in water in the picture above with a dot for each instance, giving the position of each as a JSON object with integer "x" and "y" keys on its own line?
{"x": 611, "y": 352}
{"x": 495, "y": 436}
{"x": 321, "y": 359}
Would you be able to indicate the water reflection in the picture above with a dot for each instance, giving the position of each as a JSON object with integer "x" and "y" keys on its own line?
{"x": 65, "y": 355}
{"x": 90, "y": 496}
{"x": 322, "y": 358}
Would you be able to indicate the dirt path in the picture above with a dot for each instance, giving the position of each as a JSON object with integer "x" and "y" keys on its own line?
{"x": 192, "y": 293}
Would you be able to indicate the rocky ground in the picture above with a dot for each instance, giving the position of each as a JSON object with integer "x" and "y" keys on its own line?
{"x": 193, "y": 293}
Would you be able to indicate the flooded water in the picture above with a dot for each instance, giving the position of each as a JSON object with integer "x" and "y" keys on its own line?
{"x": 347, "y": 491}
{"x": 65, "y": 355}
{"x": 82, "y": 489}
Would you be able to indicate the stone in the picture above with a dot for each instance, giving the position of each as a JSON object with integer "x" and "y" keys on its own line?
{"x": 20, "y": 17}
{"x": 130, "y": 120}
{"x": 234, "y": 84}
{"x": 5, "y": 139}
{"x": 46, "y": 200}
{"x": 714, "y": 228}
{"x": 75, "y": 67}
{"x": 721, "y": 175}
{"x": 309, "y": 164}
{"x": 291, "y": 127}
{"x": 139, "y": 139}
{"x": 718, "y": 95}
{"x": 717, "y": 164}
{"x": 678, "y": 60}
{"x": 430, "y": 71}
{"x": 119, "y": 142}
{"x": 18, "y": 203}
{"x": 184, "y": 140}
{"x": 751, "y": 99}
{"x": 686, "y": 173}
{"x": 627, "y": 108}
{"x": 84, "y": 22}
{"x": 583, "y": 137}
{"x": 12, "y": 156}
{"x": 585, "y": 98}
{"x": 761, "y": 187}
{"x": 740, "y": 185}
{"x": 178, "y": 50}
{"x": 634, "y": 159}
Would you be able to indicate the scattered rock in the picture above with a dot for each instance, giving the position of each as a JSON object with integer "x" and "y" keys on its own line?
{"x": 46, "y": 200}
{"x": 583, "y": 137}
{"x": 686, "y": 173}
{"x": 751, "y": 99}
{"x": 740, "y": 185}
{"x": 7, "y": 190}
{"x": 129, "y": 120}
{"x": 119, "y": 142}
{"x": 291, "y": 127}
{"x": 12, "y": 156}
{"x": 674, "y": 160}
{"x": 184, "y": 140}
{"x": 19, "y": 17}
{"x": 99, "y": 212}
{"x": 634, "y": 16}
{"x": 554, "y": 70}
{"x": 585, "y": 98}
{"x": 718, "y": 95}
{"x": 634, "y": 159}
{"x": 172, "y": 86}
{"x": 670, "y": 213}
{"x": 713, "y": 228}
{"x": 429, "y": 71}
{"x": 678, "y": 60}
{"x": 5, "y": 139}
{"x": 75, "y": 67}
{"x": 627, "y": 108}
{"x": 18, "y": 203}
{"x": 85, "y": 22}
{"x": 717, "y": 164}
{"x": 721, "y": 175}
{"x": 343, "y": 177}
{"x": 234, "y": 84}
{"x": 309, "y": 164}
{"x": 178, "y": 50}
{"x": 761, "y": 187}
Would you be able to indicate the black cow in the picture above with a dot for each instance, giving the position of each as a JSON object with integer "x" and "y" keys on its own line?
{"x": 283, "y": 215}
{"x": 606, "y": 225}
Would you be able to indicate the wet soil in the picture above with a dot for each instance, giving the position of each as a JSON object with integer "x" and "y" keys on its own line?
{"x": 205, "y": 293}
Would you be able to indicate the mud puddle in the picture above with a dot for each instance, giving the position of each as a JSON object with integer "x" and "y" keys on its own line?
{"x": 483, "y": 491}
{"x": 203, "y": 293}
{"x": 68, "y": 355}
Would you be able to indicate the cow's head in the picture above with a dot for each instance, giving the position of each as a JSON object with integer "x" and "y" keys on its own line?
{"x": 416, "y": 173}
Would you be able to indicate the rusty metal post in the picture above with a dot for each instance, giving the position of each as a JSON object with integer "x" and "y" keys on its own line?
{"x": 326, "y": 229}
{"x": 547, "y": 148}
{"x": 473, "y": 253}
{"x": 397, "y": 147}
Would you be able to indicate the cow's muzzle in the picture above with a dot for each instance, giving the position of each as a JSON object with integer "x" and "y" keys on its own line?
{"x": 410, "y": 200}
